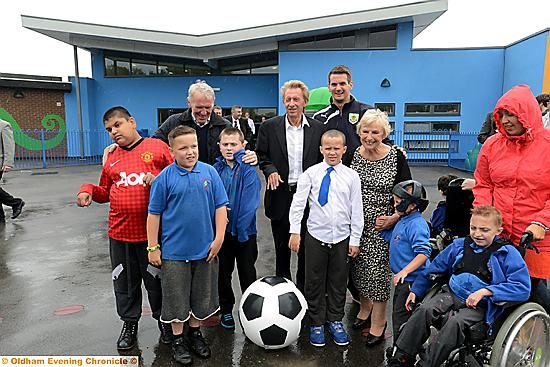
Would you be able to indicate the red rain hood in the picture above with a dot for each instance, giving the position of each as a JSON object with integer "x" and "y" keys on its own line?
{"x": 522, "y": 103}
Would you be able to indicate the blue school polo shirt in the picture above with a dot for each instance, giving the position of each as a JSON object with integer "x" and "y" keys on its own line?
{"x": 187, "y": 202}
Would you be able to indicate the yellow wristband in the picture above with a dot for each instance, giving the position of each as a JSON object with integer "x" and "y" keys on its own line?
{"x": 153, "y": 248}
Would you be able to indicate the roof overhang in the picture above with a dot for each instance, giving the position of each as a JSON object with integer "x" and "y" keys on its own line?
{"x": 34, "y": 84}
{"x": 233, "y": 42}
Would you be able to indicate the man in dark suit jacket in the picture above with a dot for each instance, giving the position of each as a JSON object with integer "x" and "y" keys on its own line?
{"x": 240, "y": 123}
{"x": 287, "y": 146}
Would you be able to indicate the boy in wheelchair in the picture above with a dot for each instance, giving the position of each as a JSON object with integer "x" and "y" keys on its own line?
{"x": 484, "y": 270}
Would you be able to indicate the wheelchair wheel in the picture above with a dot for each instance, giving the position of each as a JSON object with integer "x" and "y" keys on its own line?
{"x": 523, "y": 339}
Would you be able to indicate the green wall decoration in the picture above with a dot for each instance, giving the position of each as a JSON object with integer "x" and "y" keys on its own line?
{"x": 48, "y": 123}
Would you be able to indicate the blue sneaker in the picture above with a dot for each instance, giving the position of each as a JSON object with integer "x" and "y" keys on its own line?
{"x": 317, "y": 336}
{"x": 227, "y": 321}
{"x": 339, "y": 335}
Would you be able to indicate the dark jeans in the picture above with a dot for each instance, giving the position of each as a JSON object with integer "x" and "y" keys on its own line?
{"x": 245, "y": 254}
{"x": 133, "y": 258}
{"x": 6, "y": 199}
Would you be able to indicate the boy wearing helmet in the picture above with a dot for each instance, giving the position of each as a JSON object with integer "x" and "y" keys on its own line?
{"x": 409, "y": 245}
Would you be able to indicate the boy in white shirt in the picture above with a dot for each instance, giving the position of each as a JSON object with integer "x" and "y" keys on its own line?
{"x": 334, "y": 227}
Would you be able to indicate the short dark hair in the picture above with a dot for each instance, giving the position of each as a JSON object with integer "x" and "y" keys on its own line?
{"x": 340, "y": 69}
{"x": 180, "y": 130}
{"x": 116, "y": 111}
{"x": 543, "y": 99}
{"x": 232, "y": 131}
{"x": 443, "y": 183}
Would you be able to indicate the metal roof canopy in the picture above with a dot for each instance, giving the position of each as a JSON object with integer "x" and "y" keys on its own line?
{"x": 233, "y": 42}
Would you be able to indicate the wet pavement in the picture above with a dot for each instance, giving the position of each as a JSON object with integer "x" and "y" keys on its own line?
{"x": 56, "y": 294}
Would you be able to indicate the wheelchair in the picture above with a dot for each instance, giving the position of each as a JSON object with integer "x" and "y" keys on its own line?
{"x": 521, "y": 335}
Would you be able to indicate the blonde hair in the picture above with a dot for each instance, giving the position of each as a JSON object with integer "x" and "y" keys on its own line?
{"x": 296, "y": 84}
{"x": 488, "y": 211}
{"x": 375, "y": 116}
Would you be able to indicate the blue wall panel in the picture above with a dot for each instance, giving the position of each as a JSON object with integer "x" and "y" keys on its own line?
{"x": 524, "y": 63}
{"x": 476, "y": 78}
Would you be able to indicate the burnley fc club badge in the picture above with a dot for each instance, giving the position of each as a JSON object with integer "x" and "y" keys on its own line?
{"x": 353, "y": 118}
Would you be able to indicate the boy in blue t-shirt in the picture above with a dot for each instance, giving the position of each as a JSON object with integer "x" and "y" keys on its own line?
{"x": 409, "y": 245}
{"x": 243, "y": 186}
{"x": 190, "y": 198}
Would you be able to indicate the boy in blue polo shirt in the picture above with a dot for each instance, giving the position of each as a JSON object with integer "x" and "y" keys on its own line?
{"x": 243, "y": 187}
{"x": 409, "y": 245}
{"x": 190, "y": 198}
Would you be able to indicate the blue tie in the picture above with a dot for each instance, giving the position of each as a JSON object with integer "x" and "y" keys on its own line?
{"x": 323, "y": 191}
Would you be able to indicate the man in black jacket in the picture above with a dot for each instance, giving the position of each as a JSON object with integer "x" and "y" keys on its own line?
{"x": 286, "y": 146}
{"x": 240, "y": 123}
{"x": 208, "y": 125}
{"x": 344, "y": 111}
{"x": 198, "y": 116}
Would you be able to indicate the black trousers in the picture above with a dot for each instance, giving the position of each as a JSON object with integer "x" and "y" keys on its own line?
{"x": 400, "y": 315}
{"x": 280, "y": 229}
{"x": 455, "y": 317}
{"x": 132, "y": 256}
{"x": 540, "y": 293}
{"x": 327, "y": 271}
{"x": 6, "y": 199}
{"x": 245, "y": 254}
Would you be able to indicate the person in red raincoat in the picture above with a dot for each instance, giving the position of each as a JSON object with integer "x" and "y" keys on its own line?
{"x": 513, "y": 174}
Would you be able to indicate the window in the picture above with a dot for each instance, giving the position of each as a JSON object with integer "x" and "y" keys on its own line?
{"x": 115, "y": 66}
{"x": 426, "y": 109}
{"x": 167, "y": 68}
{"x": 140, "y": 67}
{"x": 389, "y": 108}
{"x": 164, "y": 113}
{"x": 150, "y": 65}
{"x": 431, "y": 126}
{"x": 429, "y": 136}
{"x": 383, "y": 37}
{"x": 366, "y": 38}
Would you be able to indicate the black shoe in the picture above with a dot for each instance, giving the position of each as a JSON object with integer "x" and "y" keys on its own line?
{"x": 128, "y": 336}
{"x": 399, "y": 362}
{"x": 166, "y": 336}
{"x": 227, "y": 321}
{"x": 180, "y": 352}
{"x": 197, "y": 344}
{"x": 400, "y": 359}
{"x": 16, "y": 210}
{"x": 360, "y": 324}
{"x": 373, "y": 340}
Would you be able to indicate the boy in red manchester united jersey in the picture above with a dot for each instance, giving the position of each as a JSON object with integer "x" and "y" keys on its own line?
{"x": 125, "y": 181}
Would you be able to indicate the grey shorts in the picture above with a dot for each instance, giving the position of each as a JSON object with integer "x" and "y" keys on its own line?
{"x": 189, "y": 288}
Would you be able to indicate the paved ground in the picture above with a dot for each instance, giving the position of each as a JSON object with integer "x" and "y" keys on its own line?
{"x": 55, "y": 255}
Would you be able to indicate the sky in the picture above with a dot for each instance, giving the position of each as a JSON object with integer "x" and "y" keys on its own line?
{"x": 467, "y": 23}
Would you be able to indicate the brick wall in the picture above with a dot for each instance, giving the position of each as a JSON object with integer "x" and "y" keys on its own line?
{"x": 29, "y": 112}
{"x": 31, "y": 109}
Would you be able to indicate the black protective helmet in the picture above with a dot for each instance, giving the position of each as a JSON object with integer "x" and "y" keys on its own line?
{"x": 418, "y": 195}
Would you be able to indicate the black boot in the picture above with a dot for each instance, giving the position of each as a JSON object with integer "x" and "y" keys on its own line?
{"x": 197, "y": 344}
{"x": 180, "y": 351}
{"x": 128, "y": 335}
{"x": 166, "y": 336}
